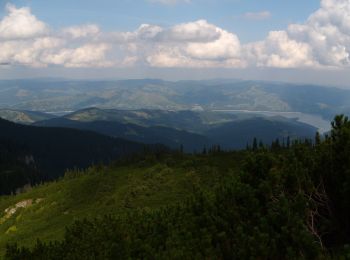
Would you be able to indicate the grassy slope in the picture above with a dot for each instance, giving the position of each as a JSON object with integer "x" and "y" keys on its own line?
{"x": 107, "y": 190}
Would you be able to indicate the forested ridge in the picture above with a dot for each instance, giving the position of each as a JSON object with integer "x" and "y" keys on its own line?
{"x": 17, "y": 168}
{"x": 32, "y": 155}
{"x": 289, "y": 200}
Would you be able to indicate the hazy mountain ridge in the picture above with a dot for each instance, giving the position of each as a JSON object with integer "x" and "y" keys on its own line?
{"x": 189, "y": 129}
{"x": 237, "y": 134}
{"x": 66, "y": 95}
{"x": 184, "y": 119}
{"x": 24, "y": 117}
{"x": 192, "y": 130}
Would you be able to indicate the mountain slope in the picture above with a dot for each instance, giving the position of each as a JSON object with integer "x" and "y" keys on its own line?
{"x": 185, "y": 119}
{"x": 24, "y": 117}
{"x": 258, "y": 203}
{"x": 117, "y": 189}
{"x": 56, "y": 149}
{"x": 238, "y": 134}
{"x": 150, "y": 135}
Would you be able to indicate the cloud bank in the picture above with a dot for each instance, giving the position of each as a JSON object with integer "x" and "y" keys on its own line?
{"x": 323, "y": 41}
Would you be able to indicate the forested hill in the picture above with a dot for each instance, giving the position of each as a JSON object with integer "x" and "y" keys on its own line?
{"x": 53, "y": 150}
{"x": 170, "y": 137}
{"x": 192, "y": 130}
{"x": 287, "y": 201}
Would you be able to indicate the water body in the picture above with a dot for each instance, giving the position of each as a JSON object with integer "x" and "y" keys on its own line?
{"x": 317, "y": 121}
{"x": 60, "y": 113}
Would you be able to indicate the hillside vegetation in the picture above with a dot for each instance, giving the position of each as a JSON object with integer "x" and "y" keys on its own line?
{"x": 147, "y": 184}
{"x": 268, "y": 202}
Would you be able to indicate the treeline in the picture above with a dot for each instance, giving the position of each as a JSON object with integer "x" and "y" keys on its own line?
{"x": 286, "y": 202}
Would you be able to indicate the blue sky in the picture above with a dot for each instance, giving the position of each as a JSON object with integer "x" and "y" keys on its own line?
{"x": 129, "y": 14}
{"x": 303, "y": 41}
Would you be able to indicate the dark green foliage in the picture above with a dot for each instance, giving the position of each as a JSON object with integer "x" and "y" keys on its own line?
{"x": 149, "y": 135}
{"x": 17, "y": 168}
{"x": 28, "y": 150}
{"x": 234, "y": 222}
{"x": 289, "y": 201}
{"x": 335, "y": 169}
{"x": 258, "y": 213}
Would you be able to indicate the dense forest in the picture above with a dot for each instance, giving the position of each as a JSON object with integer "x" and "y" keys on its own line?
{"x": 17, "y": 168}
{"x": 31, "y": 155}
{"x": 287, "y": 200}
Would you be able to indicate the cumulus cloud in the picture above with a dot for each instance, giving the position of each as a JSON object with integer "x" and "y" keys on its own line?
{"x": 199, "y": 31}
{"x": 20, "y": 24}
{"x": 279, "y": 50}
{"x": 89, "y": 55}
{"x": 195, "y": 44}
{"x": 83, "y": 31}
{"x": 28, "y": 52}
{"x": 322, "y": 41}
{"x": 27, "y": 41}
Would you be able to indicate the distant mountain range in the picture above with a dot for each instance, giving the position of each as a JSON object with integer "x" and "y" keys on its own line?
{"x": 67, "y": 95}
{"x": 23, "y": 117}
{"x": 175, "y": 114}
{"x": 189, "y": 129}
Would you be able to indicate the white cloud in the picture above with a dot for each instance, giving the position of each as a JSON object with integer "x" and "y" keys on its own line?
{"x": 195, "y": 44}
{"x": 322, "y": 41}
{"x": 263, "y": 15}
{"x": 28, "y": 52}
{"x": 225, "y": 47}
{"x": 88, "y": 30}
{"x": 89, "y": 55}
{"x": 199, "y": 31}
{"x": 20, "y": 24}
{"x": 147, "y": 31}
{"x": 27, "y": 41}
{"x": 278, "y": 50}
{"x": 327, "y": 31}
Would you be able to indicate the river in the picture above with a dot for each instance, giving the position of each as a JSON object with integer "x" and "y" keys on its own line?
{"x": 317, "y": 121}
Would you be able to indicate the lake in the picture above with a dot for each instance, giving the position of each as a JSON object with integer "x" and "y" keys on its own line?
{"x": 317, "y": 121}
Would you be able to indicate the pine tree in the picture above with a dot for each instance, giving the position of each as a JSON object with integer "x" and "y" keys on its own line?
{"x": 255, "y": 144}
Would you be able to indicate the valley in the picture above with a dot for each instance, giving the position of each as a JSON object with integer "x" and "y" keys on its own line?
{"x": 65, "y": 95}
{"x": 148, "y": 157}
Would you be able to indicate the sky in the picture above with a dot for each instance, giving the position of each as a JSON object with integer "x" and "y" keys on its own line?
{"x": 297, "y": 41}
